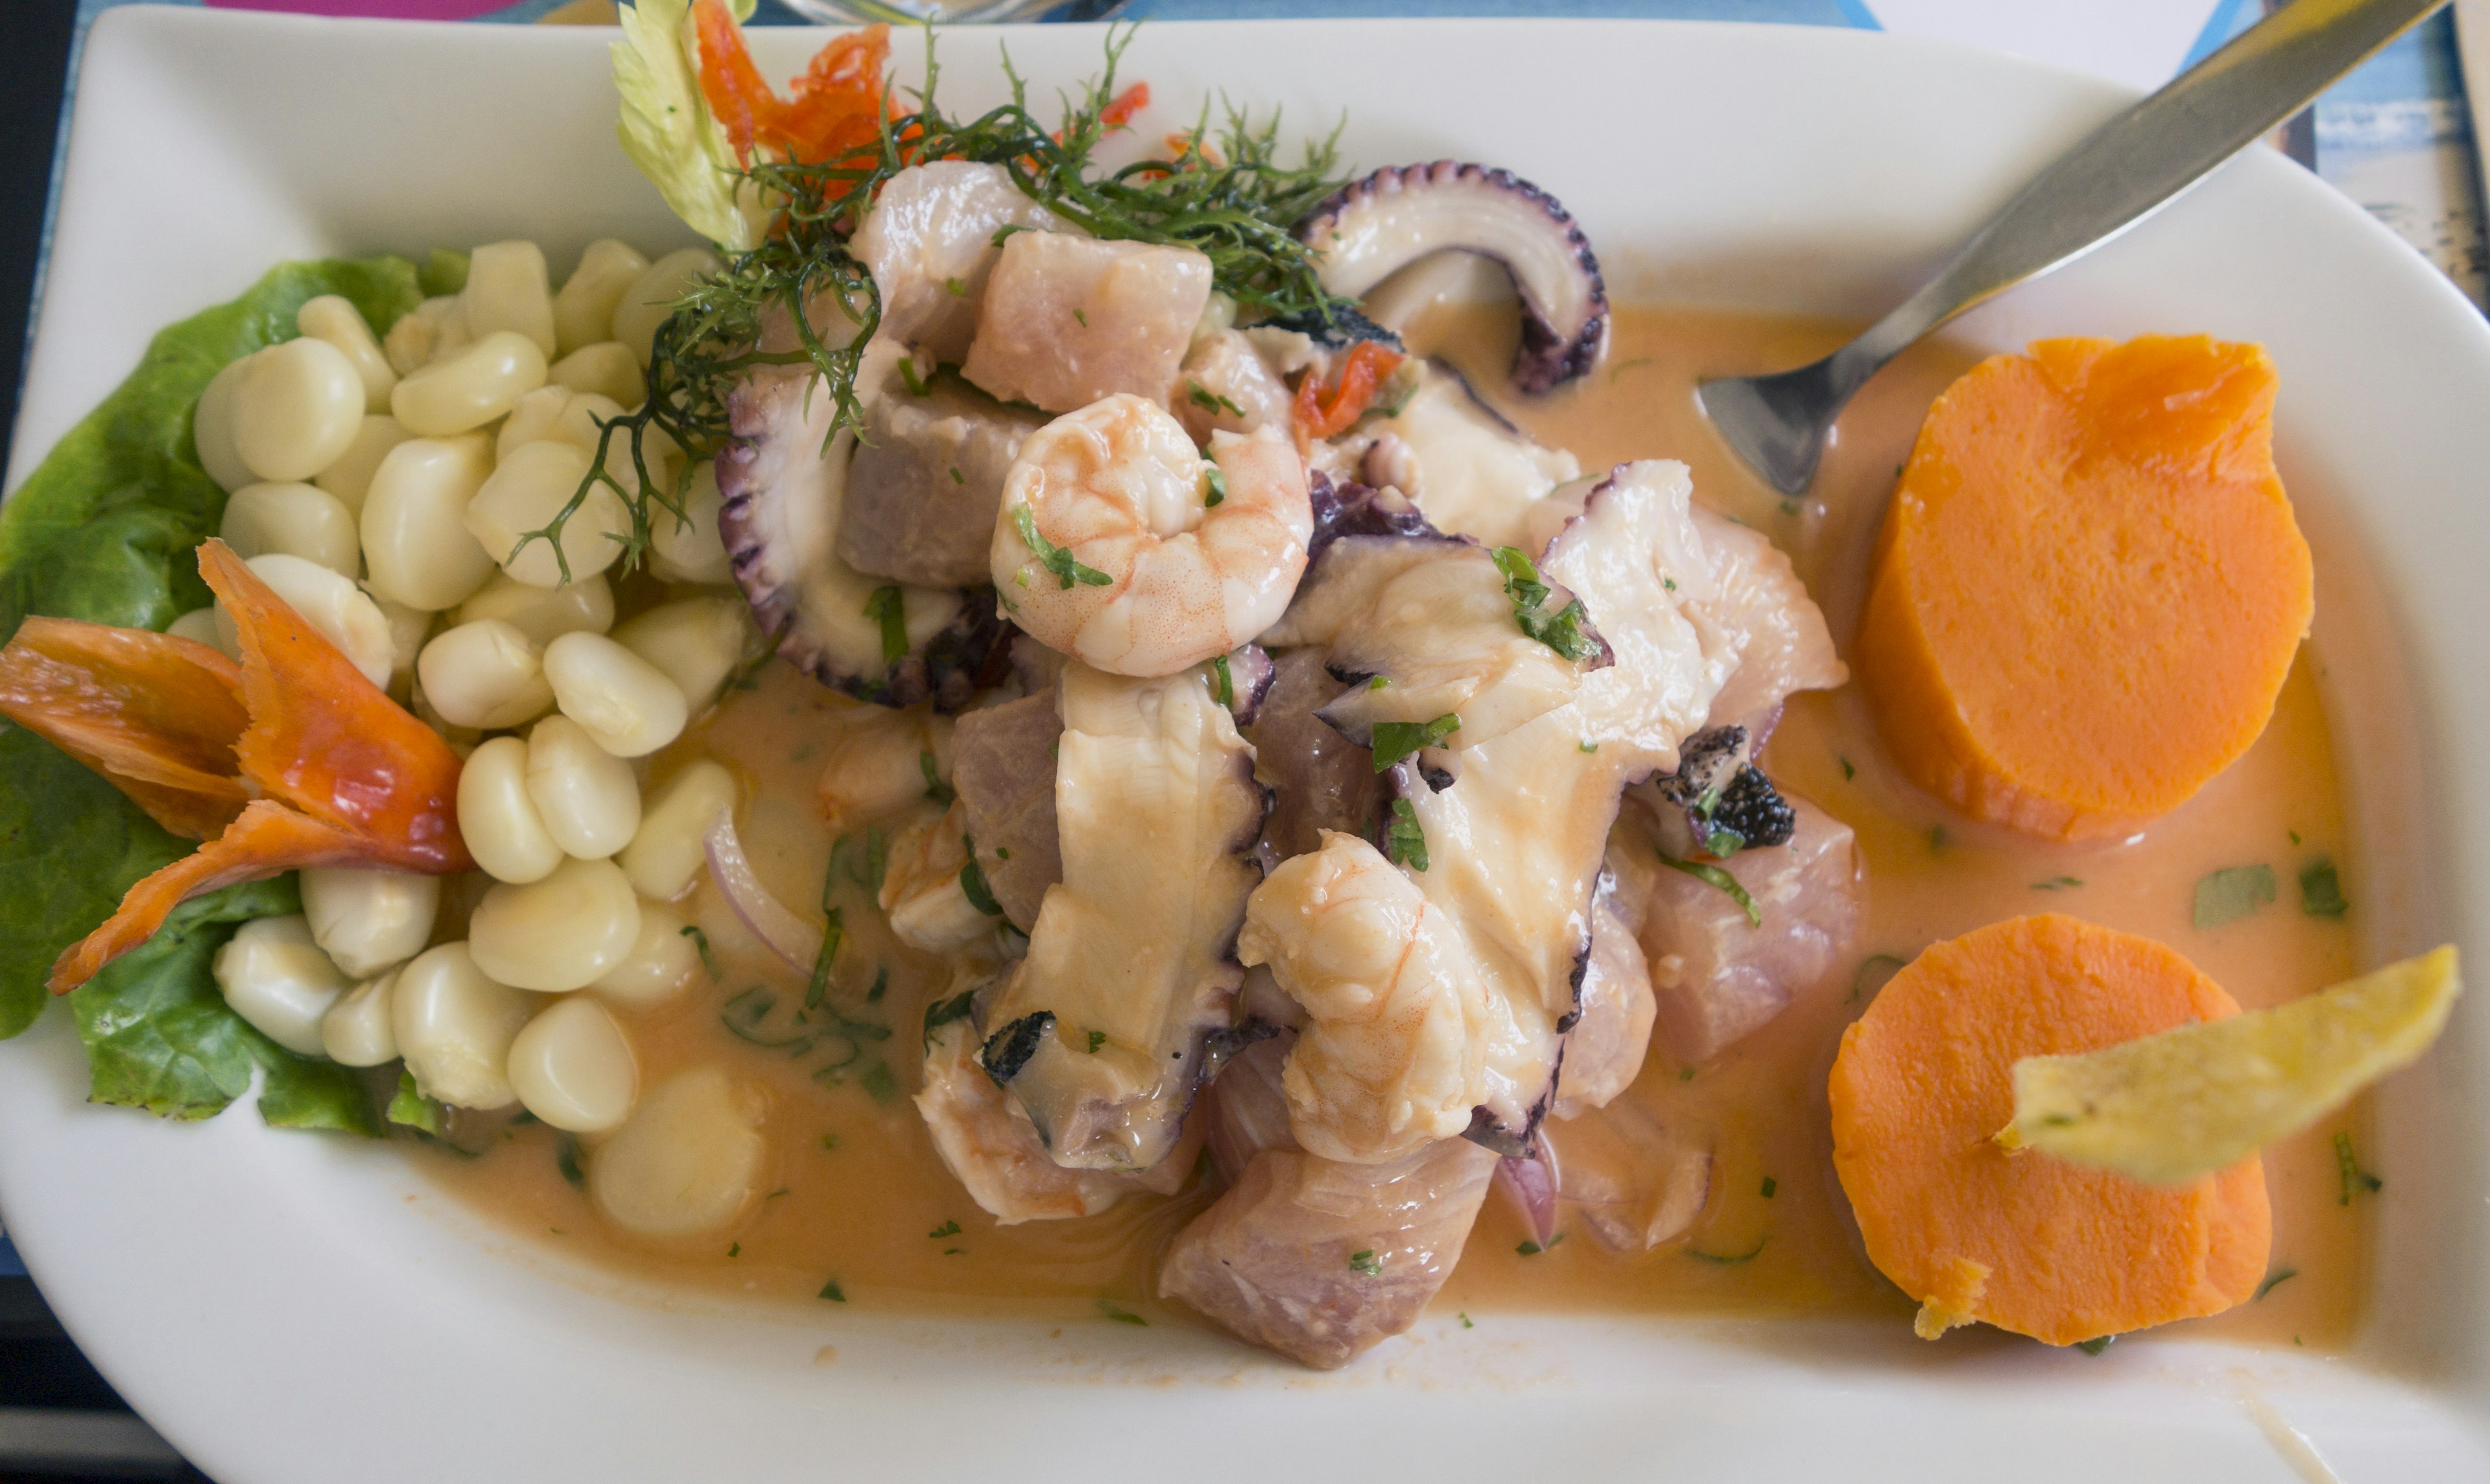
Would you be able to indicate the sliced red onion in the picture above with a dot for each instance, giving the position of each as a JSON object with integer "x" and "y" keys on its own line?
{"x": 796, "y": 941}
{"x": 1530, "y": 1181}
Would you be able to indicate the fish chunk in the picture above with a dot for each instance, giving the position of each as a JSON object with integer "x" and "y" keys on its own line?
{"x": 927, "y": 483}
{"x": 1068, "y": 321}
{"x": 1718, "y": 976}
{"x": 1002, "y": 763}
{"x": 1322, "y": 1261}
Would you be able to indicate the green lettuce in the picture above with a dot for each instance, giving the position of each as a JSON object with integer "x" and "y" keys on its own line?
{"x": 105, "y": 531}
{"x": 666, "y": 128}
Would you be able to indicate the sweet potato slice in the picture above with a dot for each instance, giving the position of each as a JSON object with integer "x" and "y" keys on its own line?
{"x": 157, "y": 715}
{"x": 2089, "y": 587}
{"x": 2058, "y": 1252}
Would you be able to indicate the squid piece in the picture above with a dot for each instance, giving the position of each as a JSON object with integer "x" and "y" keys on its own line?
{"x": 158, "y": 716}
{"x": 993, "y": 1150}
{"x": 349, "y": 778}
{"x": 1103, "y": 1032}
{"x": 1431, "y": 619}
{"x": 1603, "y": 1051}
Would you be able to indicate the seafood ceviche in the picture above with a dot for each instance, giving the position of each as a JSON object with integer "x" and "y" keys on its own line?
{"x": 1010, "y": 694}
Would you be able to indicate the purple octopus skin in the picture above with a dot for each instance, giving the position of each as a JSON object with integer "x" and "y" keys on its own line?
{"x": 1353, "y": 509}
{"x": 965, "y": 656}
{"x": 1371, "y": 227}
{"x": 1319, "y": 780}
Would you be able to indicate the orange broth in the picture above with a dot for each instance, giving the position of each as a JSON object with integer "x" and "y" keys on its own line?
{"x": 860, "y": 1198}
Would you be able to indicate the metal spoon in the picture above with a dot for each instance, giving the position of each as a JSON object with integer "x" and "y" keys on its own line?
{"x": 2129, "y": 168}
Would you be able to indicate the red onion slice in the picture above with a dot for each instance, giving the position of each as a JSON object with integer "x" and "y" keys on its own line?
{"x": 796, "y": 941}
{"x": 1530, "y": 1181}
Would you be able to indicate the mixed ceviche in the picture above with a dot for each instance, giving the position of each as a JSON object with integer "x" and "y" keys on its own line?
{"x": 1283, "y": 773}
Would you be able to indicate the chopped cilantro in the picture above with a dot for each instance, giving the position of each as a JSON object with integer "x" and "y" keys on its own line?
{"x": 709, "y": 959}
{"x": 878, "y": 1082}
{"x": 1465, "y": 1321}
{"x": 2232, "y": 892}
{"x": 1366, "y": 1261}
{"x": 936, "y": 789}
{"x": 1215, "y": 492}
{"x": 1226, "y": 689}
{"x": 907, "y": 375}
{"x": 1120, "y": 1316}
{"x": 1083, "y": 318}
{"x": 2321, "y": 890}
{"x": 833, "y": 1292}
{"x": 566, "y": 1158}
{"x": 972, "y": 882}
{"x": 2275, "y": 1279}
{"x": 887, "y": 609}
{"x": 2348, "y": 1165}
{"x": 955, "y": 288}
{"x": 1405, "y": 840}
{"x": 1396, "y": 740}
{"x": 958, "y": 477}
{"x": 942, "y": 1013}
{"x": 1097, "y": 1038}
{"x": 1586, "y": 745}
{"x": 1873, "y": 971}
{"x": 1560, "y": 631}
{"x": 2058, "y": 884}
{"x": 1728, "y": 1259}
{"x": 2094, "y": 1347}
{"x": 946, "y": 1229}
{"x": 1847, "y": 771}
{"x": 1210, "y": 401}
{"x": 1058, "y": 560}
{"x": 833, "y": 933}
{"x": 1716, "y": 876}
{"x": 735, "y": 1249}
{"x": 830, "y": 1141}
{"x": 1770, "y": 1185}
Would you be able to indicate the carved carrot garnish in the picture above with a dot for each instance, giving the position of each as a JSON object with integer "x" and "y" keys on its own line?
{"x": 344, "y": 775}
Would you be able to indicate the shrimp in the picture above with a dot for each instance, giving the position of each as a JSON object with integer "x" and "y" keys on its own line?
{"x": 1394, "y": 1055}
{"x": 1119, "y": 546}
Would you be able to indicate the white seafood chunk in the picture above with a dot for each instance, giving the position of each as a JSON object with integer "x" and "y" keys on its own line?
{"x": 1720, "y": 977}
{"x": 1473, "y": 474}
{"x": 1068, "y": 320}
{"x": 1321, "y": 1261}
{"x": 929, "y": 243}
{"x": 1430, "y": 617}
{"x": 990, "y": 1146}
{"x": 1102, "y": 1031}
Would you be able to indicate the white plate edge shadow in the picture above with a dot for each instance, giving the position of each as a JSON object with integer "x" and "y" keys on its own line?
{"x": 203, "y": 1422}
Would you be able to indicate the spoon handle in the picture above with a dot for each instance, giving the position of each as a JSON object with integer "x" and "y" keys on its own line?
{"x": 2140, "y": 160}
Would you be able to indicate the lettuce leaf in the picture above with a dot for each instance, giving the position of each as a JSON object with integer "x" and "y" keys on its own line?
{"x": 666, "y": 127}
{"x": 105, "y": 529}
{"x": 159, "y": 1037}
